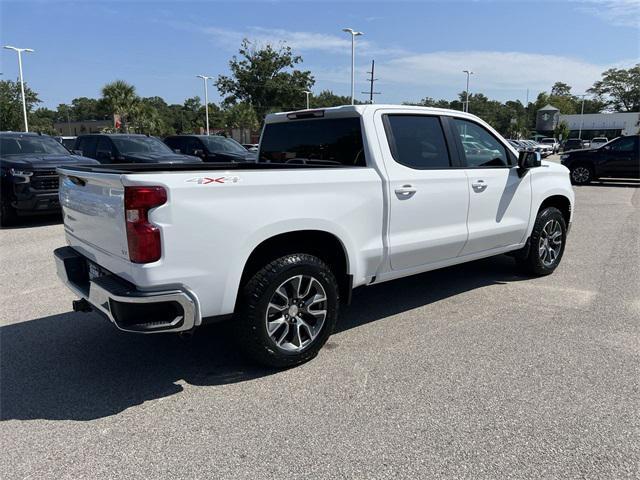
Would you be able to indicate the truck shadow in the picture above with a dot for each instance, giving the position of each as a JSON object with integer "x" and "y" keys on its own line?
{"x": 76, "y": 366}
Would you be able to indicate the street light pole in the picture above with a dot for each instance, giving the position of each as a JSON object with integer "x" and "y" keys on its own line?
{"x": 307, "y": 93}
{"x": 24, "y": 100}
{"x": 581, "y": 117}
{"x": 354, "y": 34}
{"x": 206, "y": 98}
{"x": 469, "y": 73}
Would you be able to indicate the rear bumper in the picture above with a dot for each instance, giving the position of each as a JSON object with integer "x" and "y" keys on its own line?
{"x": 128, "y": 308}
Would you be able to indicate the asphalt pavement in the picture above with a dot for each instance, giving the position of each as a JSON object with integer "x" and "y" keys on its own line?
{"x": 469, "y": 372}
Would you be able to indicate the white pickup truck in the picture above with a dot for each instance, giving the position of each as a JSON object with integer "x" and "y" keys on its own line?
{"x": 339, "y": 198}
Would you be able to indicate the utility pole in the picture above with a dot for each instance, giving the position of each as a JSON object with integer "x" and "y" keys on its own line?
{"x": 469, "y": 73}
{"x": 24, "y": 100}
{"x": 353, "y": 34}
{"x": 371, "y": 80}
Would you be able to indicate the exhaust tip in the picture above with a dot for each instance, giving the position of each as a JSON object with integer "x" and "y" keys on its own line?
{"x": 81, "y": 306}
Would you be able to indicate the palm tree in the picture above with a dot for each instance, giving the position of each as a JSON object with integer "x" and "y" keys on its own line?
{"x": 121, "y": 98}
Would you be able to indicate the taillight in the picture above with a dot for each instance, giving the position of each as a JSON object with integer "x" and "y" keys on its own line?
{"x": 143, "y": 237}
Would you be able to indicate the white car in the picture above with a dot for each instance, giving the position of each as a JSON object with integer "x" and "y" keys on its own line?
{"x": 598, "y": 142}
{"x": 551, "y": 142}
{"x": 340, "y": 198}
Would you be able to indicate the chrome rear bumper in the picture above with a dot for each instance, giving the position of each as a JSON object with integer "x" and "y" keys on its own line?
{"x": 129, "y": 309}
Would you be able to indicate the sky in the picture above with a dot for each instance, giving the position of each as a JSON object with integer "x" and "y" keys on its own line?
{"x": 420, "y": 47}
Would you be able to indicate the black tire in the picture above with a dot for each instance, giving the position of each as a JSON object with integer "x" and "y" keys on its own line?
{"x": 581, "y": 174}
{"x": 8, "y": 214}
{"x": 256, "y": 297}
{"x": 532, "y": 259}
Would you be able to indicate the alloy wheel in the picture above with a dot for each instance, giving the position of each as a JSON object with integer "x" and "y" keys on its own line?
{"x": 296, "y": 313}
{"x": 550, "y": 243}
{"x": 580, "y": 174}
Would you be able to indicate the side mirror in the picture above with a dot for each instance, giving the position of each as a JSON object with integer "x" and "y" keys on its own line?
{"x": 198, "y": 153}
{"x": 527, "y": 160}
{"x": 77, "y": 152}
{"x": 176, "y": 150}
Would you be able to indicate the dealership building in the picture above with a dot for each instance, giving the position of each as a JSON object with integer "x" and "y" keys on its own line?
{"x": 589, "y": 125}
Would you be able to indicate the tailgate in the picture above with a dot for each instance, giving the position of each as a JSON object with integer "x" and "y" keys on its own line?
{"x": 93, "y": 208}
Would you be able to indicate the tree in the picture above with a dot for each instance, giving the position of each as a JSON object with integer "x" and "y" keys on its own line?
{"x": 619, "y": 89}
{"x": 264, "y": 77}
{"x": 561, "y": 89}
{"x": 11, "y": 117}
{"x": 120, "y": 97}
{"x": 326, "y": 99}
{"x": 242, "y": 115}
{"x": 562, "y": 130}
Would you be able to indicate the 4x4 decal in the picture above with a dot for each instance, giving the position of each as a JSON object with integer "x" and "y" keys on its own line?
{"x": 208, "y": 180}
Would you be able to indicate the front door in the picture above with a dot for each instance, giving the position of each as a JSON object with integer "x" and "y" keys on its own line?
{"x": 428, "y": 193}
{"x": 500, "y": 200}
{"x": 621, "y": 158}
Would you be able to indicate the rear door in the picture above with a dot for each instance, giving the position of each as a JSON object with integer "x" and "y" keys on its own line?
{"x": 500, "y": 200}
{"x": 428, "y": 191}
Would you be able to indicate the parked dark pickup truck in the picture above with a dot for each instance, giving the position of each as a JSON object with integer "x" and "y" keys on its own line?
{"x": 129, "y": 148}
{"x": 28, "y": 163}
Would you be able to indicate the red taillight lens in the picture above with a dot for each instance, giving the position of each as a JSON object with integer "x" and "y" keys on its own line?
{"x": 143, "y": 237}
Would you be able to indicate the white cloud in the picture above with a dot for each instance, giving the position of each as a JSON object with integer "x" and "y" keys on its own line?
{"x": 493, "y": 70}
{"x": 625, "y": 13}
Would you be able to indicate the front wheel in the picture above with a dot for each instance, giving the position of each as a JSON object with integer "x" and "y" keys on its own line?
{"x": 546, "y": 244}
{"x": 581, "y": 174}
{"x": 287, "y": 310}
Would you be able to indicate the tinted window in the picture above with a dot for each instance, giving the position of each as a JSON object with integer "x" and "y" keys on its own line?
{"x": 88, "y": 146}
{"x": 104, "y": 145}
{"x": 175, "y": 143}
{"x": 328, "y": 142}
{"x": 127, "y": 145}
{"x": 417, "y": 141}
{"x": 191, "y": 145}
{"x": 217, "y": 144}
{"x": 31, "y": 144}
{"x": 624, "y": 145}
{"x": 481, "y": 148}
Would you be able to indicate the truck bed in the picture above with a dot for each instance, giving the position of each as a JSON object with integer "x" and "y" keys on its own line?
{"x": 126, "y": 168}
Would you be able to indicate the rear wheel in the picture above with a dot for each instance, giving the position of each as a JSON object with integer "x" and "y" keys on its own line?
{"x": 581, "y": 174}
{"x": 546, "y": 244}
{"x": 287, "y": 310}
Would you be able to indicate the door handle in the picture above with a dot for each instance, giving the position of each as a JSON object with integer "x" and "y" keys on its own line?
{"x": 405, "y": 191}
{"x": 479, "y": 186}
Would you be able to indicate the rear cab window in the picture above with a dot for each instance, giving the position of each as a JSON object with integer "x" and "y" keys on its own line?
{"x": 327, "y": 141}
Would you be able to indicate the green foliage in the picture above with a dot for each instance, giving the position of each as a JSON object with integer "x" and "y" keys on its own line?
{"x": 11, "y": 117}
{"x": 619, "y": 89}
{"x": 325, "y": 99}
{"x": 242, "y": 115}
{"x": 266, "y": 78}
{"x": 562, "y": 130}
{"x": 120, "y": 98}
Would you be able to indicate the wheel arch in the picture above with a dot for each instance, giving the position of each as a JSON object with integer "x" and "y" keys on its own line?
{"x": 561, "y": 202}
{"x": 320, "y": 243}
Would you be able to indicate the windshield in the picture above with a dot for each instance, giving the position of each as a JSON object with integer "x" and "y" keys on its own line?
{"x": 31, "y": 144}
{"x": 547, "y": 140}
{"x": 218, "y": 144}
{"x": 128, "y": 145}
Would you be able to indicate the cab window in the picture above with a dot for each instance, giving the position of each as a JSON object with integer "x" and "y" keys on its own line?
{"x": 479, "y": 146}
{"x": 624, "y": 145}
{"x": 417, "y": 141}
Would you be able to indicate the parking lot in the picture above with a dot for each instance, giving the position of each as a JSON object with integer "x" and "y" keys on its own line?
{"x": 470, "y": 372}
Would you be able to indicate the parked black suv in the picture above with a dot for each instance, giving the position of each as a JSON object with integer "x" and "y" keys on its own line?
{"x": 29, "y": 182}
{"x": 128, "y": 148}
{"x": 210, "y": 148}
{"x": 620, "y": 158}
